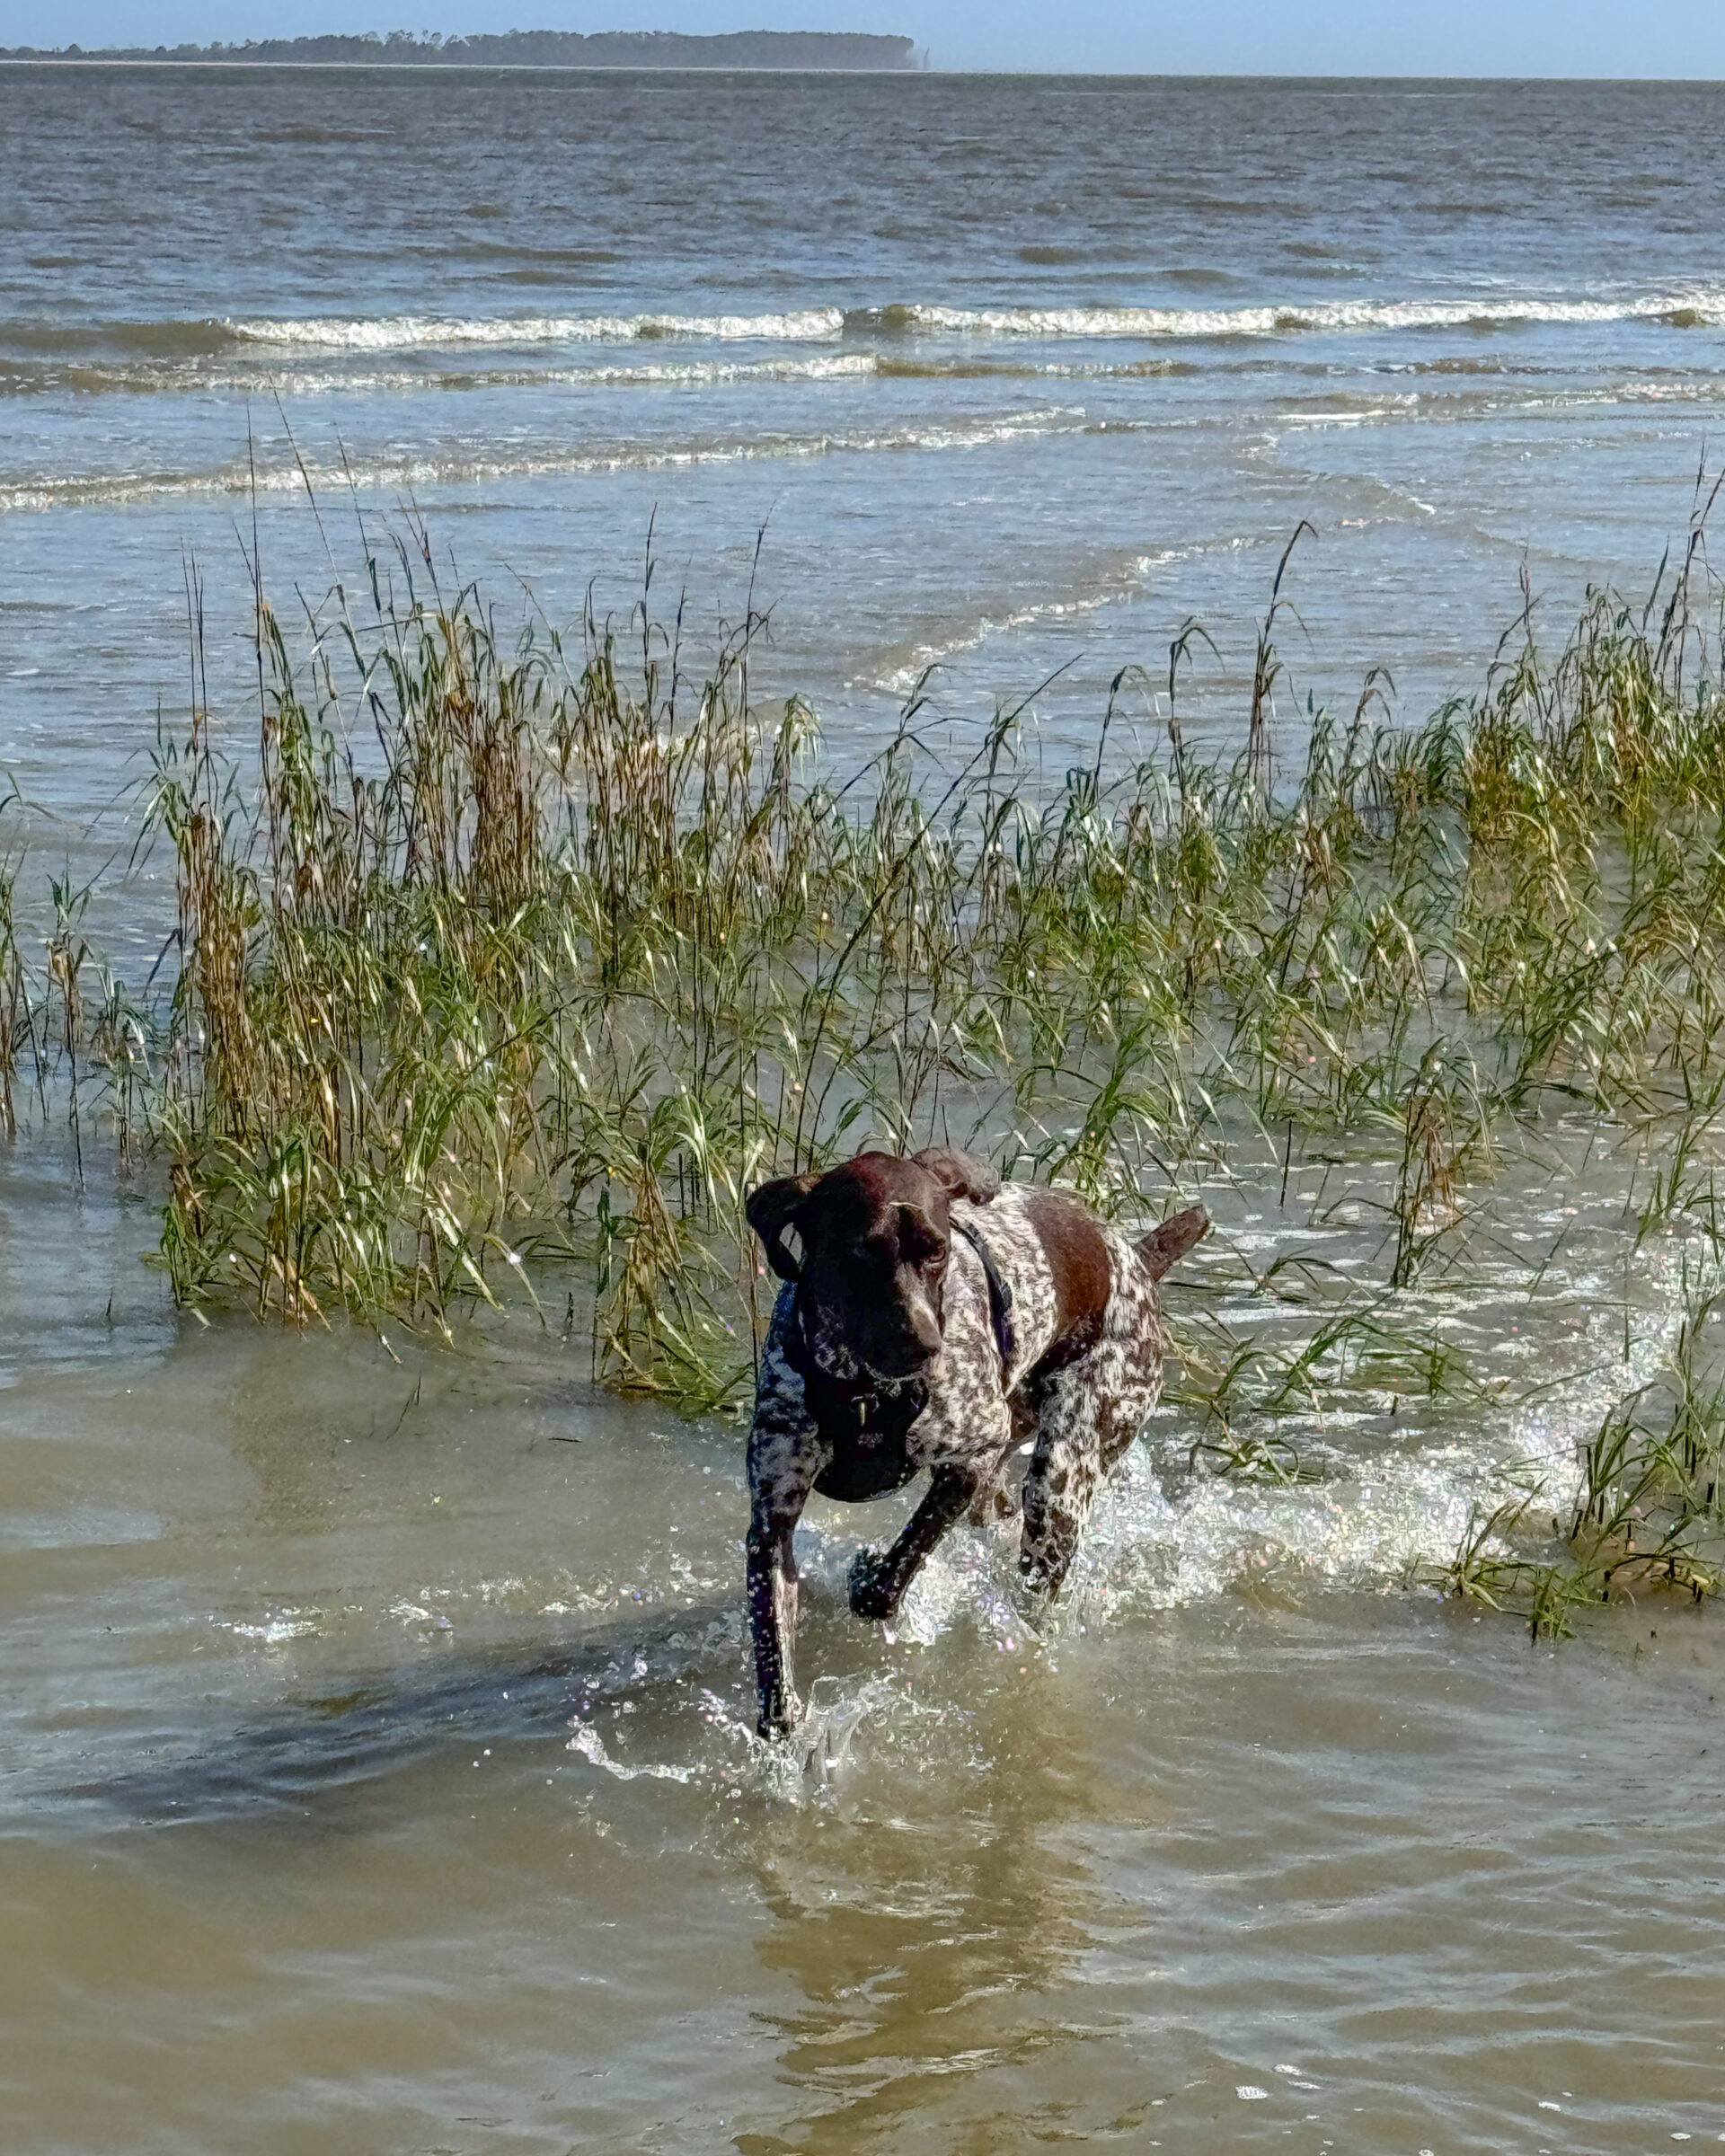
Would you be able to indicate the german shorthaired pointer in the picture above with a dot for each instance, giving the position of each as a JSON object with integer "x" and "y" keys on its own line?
{"x": 934, "y": 1320}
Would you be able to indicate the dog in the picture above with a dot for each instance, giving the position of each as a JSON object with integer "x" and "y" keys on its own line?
{"x": 931, "y": 1321}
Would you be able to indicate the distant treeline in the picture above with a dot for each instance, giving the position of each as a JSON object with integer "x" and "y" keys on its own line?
{"x": 531, "y": 48}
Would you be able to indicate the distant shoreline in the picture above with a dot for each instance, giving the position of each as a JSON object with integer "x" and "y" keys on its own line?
{"x": 126, "y": 59}
{"x": 26, "y": 57}
{"x": 787, "y": 51}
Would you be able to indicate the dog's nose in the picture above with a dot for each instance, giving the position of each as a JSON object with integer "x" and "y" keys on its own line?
{"x": 904, "y": 1357}
{"x": 924, "y": 1343}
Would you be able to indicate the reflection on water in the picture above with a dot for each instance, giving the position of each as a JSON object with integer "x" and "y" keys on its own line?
{"x": 922, "y": 1940}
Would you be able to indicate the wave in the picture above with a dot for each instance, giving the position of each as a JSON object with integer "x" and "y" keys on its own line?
{"x": 407, "y": 474}
{"x": 1341, "y": 411}
{"x": 400, "y": 381}
{"x": 359, "y": 379}
{"x": 944, "y": 367}
{"x": 1683, "y": 310}
{"x": 214, "y": 336}
{"x": 900, "y": 672}
{"x": 424, "y": 332}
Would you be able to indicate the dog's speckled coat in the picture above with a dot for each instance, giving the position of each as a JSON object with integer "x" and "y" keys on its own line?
{"x": 1086, "y": 1346}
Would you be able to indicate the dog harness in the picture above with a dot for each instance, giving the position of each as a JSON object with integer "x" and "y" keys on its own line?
{"x": 1000, "y": 1297}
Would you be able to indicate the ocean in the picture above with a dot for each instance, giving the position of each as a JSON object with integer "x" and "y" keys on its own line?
{"x": 984, "y": 388}
{"x": 1007, "y": 376}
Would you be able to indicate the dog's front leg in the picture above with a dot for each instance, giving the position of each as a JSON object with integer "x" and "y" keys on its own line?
{"x": 878, "y": 1578}
{"x": 785, "y": 1453}
{"x": 772, "y": 1613}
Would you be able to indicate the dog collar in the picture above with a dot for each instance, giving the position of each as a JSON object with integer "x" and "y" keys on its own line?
{"x": 865, "y": 1420}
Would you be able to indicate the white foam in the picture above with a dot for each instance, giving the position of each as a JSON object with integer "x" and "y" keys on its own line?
{"x": 1699, "y": 307}
{"x": 425, "y": 333}
{"x": 410, "y": 474}
{"x": 1129, "y": 582}
{"x": 691, "y": 373}
{"x": 1706, "y": 306}
{"x": 699, "y": 373}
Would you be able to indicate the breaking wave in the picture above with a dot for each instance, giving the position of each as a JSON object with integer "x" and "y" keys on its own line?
{"x": 423, "y": 333}
{"x": 1684, "y": 310}
{"x": 405, "y": 334}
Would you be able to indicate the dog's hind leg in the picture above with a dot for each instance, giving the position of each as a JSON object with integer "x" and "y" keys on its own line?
{"x": 1061, "y": 1481}
{"x": 1091, "y": 1412}
{"x": 879, "y": 1577}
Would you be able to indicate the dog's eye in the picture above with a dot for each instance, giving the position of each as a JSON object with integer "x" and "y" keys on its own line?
{"x": 920, "y": 1243}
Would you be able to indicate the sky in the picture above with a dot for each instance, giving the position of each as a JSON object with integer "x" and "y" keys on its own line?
{"x": 1658, "y": 38}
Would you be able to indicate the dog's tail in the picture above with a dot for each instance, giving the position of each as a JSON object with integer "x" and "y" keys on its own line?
{"x": 1165, "y": 1247}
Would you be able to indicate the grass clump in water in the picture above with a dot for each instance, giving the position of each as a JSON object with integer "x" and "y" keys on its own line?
{"x": 504, "y": 966}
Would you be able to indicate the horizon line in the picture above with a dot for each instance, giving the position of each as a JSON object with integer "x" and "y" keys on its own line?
{"x": 124, "y": 57}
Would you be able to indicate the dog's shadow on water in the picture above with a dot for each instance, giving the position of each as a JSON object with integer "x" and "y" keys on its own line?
{"x": 345, "y": 1740}
{"x": 316, "y": 1757}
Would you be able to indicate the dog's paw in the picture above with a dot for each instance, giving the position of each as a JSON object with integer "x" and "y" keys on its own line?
{"x": 1040, "y": 1580}
{"x": 871, "y": 1591}
{"x": 776, "y": 1723}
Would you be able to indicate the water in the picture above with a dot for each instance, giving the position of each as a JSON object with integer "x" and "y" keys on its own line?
{"x": 375, "y": 1765}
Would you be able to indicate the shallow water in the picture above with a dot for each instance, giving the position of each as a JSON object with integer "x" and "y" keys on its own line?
{"x": 377, "y": 1772}
{"x": 375, "y": 1765}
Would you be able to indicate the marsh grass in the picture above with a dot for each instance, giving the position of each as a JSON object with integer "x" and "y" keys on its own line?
{"x": 504, "y": 964}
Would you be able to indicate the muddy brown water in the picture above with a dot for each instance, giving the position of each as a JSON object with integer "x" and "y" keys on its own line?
{"x": 376, "y": 1778}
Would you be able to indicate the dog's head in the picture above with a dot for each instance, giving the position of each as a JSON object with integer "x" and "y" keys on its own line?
{"x": 871, "y": 1272}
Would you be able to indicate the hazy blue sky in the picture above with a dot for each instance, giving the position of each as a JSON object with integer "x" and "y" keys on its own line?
{"x": 1319, "y": 36}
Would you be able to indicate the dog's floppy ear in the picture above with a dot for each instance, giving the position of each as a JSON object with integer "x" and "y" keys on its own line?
{"x": 962, "y": 1174}
{"x": 771, "y": 1209}
{"x": 919, "y": 1240}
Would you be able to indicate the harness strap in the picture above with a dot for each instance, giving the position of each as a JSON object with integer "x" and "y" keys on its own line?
{"x": 1000, "y": 1297}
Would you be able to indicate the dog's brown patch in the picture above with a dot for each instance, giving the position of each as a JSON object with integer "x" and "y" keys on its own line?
{"x": 1078, "y": 1258}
